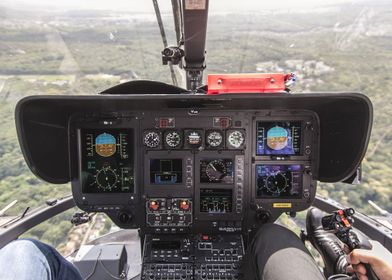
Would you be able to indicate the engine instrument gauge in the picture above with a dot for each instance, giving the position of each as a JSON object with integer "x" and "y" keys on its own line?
{"x": 236, "y": 139}
{"x": 214, "y": 139}
{"x": 216, "y": 201}
{"x": 216, "y": 170}
{"x": 152, "y": 139}
{"x": 106, "y": 178}
{"x": 173, "y": 139}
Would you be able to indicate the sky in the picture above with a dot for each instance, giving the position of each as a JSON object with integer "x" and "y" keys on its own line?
{"x": 165, "y": 5}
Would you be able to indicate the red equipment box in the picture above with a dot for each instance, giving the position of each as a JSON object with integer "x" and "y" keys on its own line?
{"x": 248, "y": 83}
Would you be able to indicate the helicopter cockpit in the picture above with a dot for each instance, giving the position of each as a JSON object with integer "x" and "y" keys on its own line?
{"x": 197, "y": 175}
{"x": 191, "y": 175}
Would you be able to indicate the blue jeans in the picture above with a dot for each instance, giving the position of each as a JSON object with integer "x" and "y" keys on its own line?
{"x": 30, "y": 259}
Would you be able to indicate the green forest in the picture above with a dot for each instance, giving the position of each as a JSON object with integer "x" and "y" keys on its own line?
{"x": 339, "y": 48}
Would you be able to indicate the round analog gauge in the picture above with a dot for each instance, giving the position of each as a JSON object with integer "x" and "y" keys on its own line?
{"x": 173, "y": 139}
{"x": 106, "y": 178}
{"x": 216, "y": 170}
{"x": 152, "y": 139}
{"x": 214, "y": 139}
{"x": 194, "y": 138}
{"x": 276, "y": 184}
{"x": 236, "y": 139}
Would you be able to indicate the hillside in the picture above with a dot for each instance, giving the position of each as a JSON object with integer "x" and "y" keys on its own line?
{"x": 338, "y": 48}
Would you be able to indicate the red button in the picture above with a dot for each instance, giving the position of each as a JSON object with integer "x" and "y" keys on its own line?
{"x": 184, "y": 205}
{"x": 154, "y": 205}
{"x": 205, "y": 237}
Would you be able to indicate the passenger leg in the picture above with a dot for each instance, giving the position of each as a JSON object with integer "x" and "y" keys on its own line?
{"x": 30, "y": 259}
{"x": 276, "y": 253}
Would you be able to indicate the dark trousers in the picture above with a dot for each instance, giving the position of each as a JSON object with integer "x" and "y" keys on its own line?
{"x": 276, "y": 253}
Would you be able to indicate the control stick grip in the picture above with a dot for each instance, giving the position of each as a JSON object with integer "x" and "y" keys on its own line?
{"x": 370, "y": 272}
{"x": 365, "y": 244}
{"x": 340, "y": 222}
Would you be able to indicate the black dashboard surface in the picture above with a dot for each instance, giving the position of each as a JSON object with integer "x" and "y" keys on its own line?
{"x": 190, "y": 163}
{"x": 345, "y": 124}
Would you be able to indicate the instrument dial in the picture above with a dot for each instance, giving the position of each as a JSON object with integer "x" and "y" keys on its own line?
{"x": 236, "y": 139}
{"x": 173, "y": 139}
{"x": 276, "y": 184}
{"x": 106, "y": 178}
{"x": 152, "y": 139}
{"x": 214, "y": 139}
{"x": 216, "y": 170}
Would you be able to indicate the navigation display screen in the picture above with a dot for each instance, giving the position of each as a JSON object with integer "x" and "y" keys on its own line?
{"x": 216, "y": 201}
{"x": 278, "y": 138}
{"x": 283, "y": 181}
{"x": 107, "y": 160}
{"x": 165, "y": 171}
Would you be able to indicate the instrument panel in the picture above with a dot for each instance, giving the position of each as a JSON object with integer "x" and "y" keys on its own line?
{"x": 194, "y": 170}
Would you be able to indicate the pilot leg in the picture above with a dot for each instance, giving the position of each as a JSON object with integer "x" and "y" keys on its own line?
{"x": 276, "y": 253}
{"x": 30, "y": 259}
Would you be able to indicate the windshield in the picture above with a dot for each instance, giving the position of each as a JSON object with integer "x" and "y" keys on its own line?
{"x": 65, "y": 47}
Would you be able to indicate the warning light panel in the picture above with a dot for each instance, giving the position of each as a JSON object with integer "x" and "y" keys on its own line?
{"x": 222, "y": 122}
{"x": 167, "y": 122}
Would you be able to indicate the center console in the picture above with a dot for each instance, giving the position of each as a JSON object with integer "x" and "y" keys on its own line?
{"x": 195, "y": 182}
{"x": 192, "y": 257}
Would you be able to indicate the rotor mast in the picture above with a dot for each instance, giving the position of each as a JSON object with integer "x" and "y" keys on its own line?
{"x": 190, "y": 21}
{"x": 194, "y": 15}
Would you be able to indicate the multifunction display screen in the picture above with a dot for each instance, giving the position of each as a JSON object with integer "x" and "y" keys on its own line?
{"x": 278, "y": 138}
{"x": 216, "y": 201}
{"x": 107, "y": 160}
{"x": 165, "y": 171}
{"x": 279, "y": 181}
{"x": 216, "y": 171}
